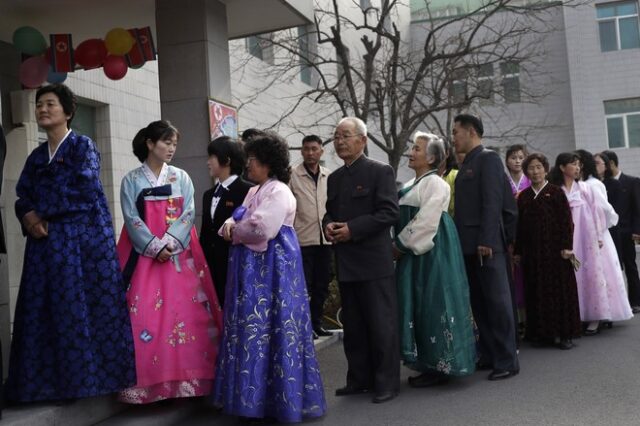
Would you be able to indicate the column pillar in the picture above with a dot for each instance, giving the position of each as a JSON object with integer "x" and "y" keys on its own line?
{"x": 193, "y": 66}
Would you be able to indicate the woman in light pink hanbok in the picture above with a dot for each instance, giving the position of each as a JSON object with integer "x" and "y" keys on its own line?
{"x": 608, "y": 217}
{"x": 597, "y": 302}
{"x": 175, "y": 316}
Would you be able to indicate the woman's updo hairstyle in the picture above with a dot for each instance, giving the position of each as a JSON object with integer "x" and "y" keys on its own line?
{"x": 155, "y": 131}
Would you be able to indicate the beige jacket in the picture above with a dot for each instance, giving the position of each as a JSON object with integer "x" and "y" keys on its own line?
{"x": 311, "y": 204}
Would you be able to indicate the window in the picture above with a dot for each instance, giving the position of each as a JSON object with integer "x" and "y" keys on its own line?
{"x": 305, "y": 53}
{"x": 485, "y": 83}
{"x": 260, "y": 47}
{"x": 458, "y": 88}
{"x": 365, "y": 4}
{"x": 623, "y": 123}
{"x": 84, "y": 121}
{"x": 510, "y": 72}
{"x": 618, "y": 25}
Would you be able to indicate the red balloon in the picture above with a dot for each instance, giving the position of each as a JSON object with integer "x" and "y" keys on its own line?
{"x": 33, "y": 72}
{"x": 91, "y": 53}
{"x": 115, "y": 67}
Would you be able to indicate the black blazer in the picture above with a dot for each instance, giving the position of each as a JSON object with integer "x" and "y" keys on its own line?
{"x": 628, "y": 204}
{"x": 486, "y": 211}
{"x": 364, "y": 195}
{"x": 216, "y": 249}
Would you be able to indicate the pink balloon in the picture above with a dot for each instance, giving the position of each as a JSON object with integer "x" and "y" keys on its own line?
{"x": 33, "y": 72}
{"x": 115, "y": 67}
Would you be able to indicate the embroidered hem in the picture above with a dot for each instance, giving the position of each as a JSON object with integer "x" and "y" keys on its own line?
{"x": 166, "y": 390}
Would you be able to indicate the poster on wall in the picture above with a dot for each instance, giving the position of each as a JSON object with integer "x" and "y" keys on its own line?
{"x": 223, "y": 120}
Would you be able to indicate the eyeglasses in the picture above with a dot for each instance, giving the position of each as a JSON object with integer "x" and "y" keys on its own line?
{"x": 251, "y": 159}
{"x": 339, "y": 137}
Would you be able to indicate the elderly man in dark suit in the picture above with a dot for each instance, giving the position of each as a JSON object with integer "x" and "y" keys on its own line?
{"x": 226, "y": 161}
{"x": 485, "y": 214}
{"x": 627, "y": 205}
{"x": 362, "y": 206}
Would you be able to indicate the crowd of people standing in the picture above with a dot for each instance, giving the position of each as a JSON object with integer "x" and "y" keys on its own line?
{"x": 442, "y": 276}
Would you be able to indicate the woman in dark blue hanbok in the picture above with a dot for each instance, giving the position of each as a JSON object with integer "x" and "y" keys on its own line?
{"x": 71, "y": 335}
{"x": 267, "y": 366}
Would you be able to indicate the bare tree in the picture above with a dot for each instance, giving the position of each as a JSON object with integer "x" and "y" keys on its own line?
{"x": 361, "y": 64}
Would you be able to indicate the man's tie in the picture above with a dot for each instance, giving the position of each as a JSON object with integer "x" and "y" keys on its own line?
{"x": 218, "y": 191}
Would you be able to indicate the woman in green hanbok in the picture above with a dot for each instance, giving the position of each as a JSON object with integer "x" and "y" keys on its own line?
{"x": 436, "y": 324}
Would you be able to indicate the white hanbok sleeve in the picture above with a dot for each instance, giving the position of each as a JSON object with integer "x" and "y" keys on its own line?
{"x": 600, "y": 195}
{"x": 417, "y": 236}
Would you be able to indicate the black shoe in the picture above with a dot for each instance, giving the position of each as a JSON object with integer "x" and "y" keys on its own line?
{"x": 315, "y": 335}
{"x": 480, "y": 365}
{"x": 564, "y": 344}
{"x": 321, "y": 332}
{"x": 635, "y": 309}
{"x": 350, "y": 390}
{"x": 591, "y": 332}
{"x": 498, "y": 374}
{"x": 428, "y": 379}
{"x": 384, "y": 396}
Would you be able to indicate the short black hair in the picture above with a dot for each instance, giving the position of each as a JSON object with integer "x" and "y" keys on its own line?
{"x": 271, "y": 150}
{"x": 65, "y": 96}
{"x": 155, "y": 131}
{"x": 468, "y": 120}
{"x": 229, "y": 153}
{"x": 312, "y": 138}
{"x": 608, "y": 173}
{"x": 515, "y": 148}
{"x": 588, "y": 164}
{"x": 535, "y": 156}
{"x": 612, "y": 156}
{"x": 555, "y": 176}
{"x": 249, "y": 134}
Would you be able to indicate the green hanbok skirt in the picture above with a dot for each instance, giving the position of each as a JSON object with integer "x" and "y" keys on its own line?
{"x": 436, "y": 323}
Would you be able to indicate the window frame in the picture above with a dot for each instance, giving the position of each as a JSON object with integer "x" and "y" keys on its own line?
{"x": 625, "y": 128}
{"x": 616, "y": 19}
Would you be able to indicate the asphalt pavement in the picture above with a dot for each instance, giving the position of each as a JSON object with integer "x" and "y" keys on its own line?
{"x": 595, "y": 383}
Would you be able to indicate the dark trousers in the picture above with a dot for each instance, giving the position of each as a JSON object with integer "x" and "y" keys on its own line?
{"x": 316, "y": 261}
{"x": 371, "y": 342}
{"x": 627, "y": 254}
{"x": 492, "y": 306}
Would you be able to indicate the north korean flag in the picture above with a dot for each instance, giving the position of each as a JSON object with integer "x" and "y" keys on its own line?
{"x": 61, "y": 53}
{"x": 144, "y": 49}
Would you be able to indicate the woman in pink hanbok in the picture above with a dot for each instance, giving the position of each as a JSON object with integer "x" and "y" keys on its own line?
{"x": 608, "y": 218}
{"x": 175, "y": 316}
{"x": 519, "y": 181}
{"x": 596, "y": 301}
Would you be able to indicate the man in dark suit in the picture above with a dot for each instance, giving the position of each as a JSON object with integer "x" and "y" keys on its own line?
{"x": 226, "y": 161}
{"x": 627, "y": 205}
{"x": 485, "y": 216}
{"x": 362, "y": 205}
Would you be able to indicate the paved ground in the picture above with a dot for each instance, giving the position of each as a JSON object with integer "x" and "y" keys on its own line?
{"x": 596, "y": 383}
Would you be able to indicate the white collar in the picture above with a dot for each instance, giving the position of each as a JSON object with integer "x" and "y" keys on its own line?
{"x": 151, "y": 177}
{"x": 617, "y": 177}
{"x": 228, "y": 181}
{"x": 53, "y": 154}
{"x": 538, "y": 192}
{"x": 513, "y": 182}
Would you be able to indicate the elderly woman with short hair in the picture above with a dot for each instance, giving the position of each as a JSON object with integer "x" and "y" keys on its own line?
{"x": 436, "y": 324}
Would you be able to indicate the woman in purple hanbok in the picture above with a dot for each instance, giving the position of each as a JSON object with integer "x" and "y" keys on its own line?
{"x": 71, "y": 331}
{"x": 267, "y": 366}
{"x": 519, "y": 181}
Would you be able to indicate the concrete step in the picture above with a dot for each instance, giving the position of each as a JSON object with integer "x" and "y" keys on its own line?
{"x": 106, "y": 411}
{"x": 82, "y": 412}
